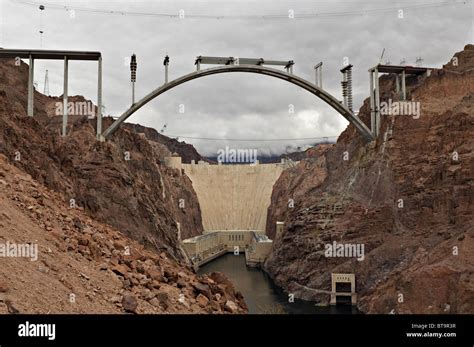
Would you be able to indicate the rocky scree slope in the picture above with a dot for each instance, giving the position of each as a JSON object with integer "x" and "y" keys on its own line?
{"x": 84, "y": 266}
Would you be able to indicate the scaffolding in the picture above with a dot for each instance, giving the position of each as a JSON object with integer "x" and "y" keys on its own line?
{"x": 400, "y": 71}
{"x": 347, "y": 87}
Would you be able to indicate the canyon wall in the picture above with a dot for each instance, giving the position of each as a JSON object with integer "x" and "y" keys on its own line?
{"x": 407, "y": 197}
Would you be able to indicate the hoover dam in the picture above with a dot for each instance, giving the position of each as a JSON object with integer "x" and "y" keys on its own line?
{"x": 233, "y": 197}
{"x": 234, "y": 200}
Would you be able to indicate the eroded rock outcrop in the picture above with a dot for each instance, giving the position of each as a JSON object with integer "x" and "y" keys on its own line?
{"x": 186, "y": 151}
{"x": 408, "y": 198}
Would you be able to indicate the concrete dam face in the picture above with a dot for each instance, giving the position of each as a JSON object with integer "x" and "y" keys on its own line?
{"x": 233, "y": 197}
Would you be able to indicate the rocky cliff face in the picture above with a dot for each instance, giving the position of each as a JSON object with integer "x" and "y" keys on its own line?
{"x": 407, "y": 198}
{"x": 121, "y": 182}
{"x": 186, "y": 151}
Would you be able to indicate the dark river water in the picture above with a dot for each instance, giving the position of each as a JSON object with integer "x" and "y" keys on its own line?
{"x": 260, "y": 294}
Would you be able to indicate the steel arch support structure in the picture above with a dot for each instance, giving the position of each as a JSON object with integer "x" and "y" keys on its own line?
{"x": 300, "y": 82}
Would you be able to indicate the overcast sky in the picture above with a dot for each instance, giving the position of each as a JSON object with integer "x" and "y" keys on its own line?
{"x": 244, "y": 106}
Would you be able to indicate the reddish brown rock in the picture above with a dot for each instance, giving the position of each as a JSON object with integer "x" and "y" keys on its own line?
{"x": 202, "y": 300}
{"x": 129, "y": 303}
{"x": 403, "y": 197}
{"x": 231, "y": 306}
{"x": 203, "y": 289}
{"x": 137, "y": 196}
{"x": 117, "y": 201}
{"x": 121, "y": 270}
{"x": 154, "y": 274}
{"x": 3, "y": 286}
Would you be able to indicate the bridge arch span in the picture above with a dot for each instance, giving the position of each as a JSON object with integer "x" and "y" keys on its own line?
{"x": 300, "y": 82}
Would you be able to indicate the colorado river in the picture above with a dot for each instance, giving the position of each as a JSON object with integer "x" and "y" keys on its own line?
{"x": 260, "y": 294}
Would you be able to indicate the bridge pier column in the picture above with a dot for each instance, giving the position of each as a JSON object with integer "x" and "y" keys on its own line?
{"x": 372, "y": 104}
{"x": 397, "y": 84}
{"x": 404, "y": 92}
{"x": 65, "y": 106}
{"x": 318, "y": 70}
{"x": 321, "y": 76}
{"x": 377, "y": 103}
{"x": 99, "y": 100}
{"x": 31, "y": 90}
{"x": 166, "y": 62}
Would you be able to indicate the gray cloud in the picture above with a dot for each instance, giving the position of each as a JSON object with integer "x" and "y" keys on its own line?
{"x": 233, "y": 105}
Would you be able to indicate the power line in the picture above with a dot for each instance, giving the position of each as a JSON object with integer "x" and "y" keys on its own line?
{"x": 296, "y": 15}
{"x": 253, "y": 140}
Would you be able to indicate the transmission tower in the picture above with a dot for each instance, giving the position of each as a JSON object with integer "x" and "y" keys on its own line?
{"x": 46, "y": 84}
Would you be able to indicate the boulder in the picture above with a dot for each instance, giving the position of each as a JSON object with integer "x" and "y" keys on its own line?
{"x": 181, "y": 283}
{"x": 121, "y": 270}
{"x": 203, "y": 289}
{"x": 172, "y": 276}
{"x": 3, "y": 287}
{"x": 202, "y": 300}
{"x": 11, "y": 307}
{"x": 78, "y": 224}
{"x": 154, "y": 274}
{"x": 155, "y": 302}
{"x": 129, "y": 303}
{"x": 163, "y": 299}
{"x": 162, "y": 296}
{"x": 231, "y": 306}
